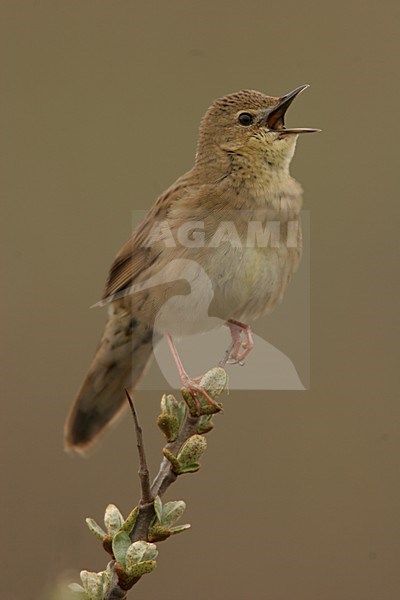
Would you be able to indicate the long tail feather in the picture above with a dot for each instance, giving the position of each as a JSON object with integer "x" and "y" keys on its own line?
{"x": 121, "y": 358}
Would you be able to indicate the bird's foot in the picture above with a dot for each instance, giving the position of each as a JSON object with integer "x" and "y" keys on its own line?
{"x": 192, "y": 384}
{"x": 195, "y": 390}
{"x": 240, "y": 348}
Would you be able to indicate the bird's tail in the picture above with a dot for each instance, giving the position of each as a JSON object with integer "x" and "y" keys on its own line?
{"x": 121, "y": 358}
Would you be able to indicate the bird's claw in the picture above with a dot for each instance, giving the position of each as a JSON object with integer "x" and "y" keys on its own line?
{"x": 195, "y": 390}
{"x": 239, "y": 349}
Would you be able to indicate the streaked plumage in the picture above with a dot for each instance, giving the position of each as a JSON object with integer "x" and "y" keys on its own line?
{"x": 241, "y": 174}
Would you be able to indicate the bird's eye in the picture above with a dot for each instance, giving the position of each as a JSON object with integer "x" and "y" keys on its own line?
{"x": 245, "y": 119}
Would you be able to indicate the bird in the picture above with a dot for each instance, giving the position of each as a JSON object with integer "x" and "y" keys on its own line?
{"x": 212, "y": 250}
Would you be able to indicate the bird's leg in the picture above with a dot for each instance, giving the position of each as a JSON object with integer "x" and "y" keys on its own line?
{"x": 235, "y": 345}
{"x": 238, "y": 350}
{"x": 187, "y": 382}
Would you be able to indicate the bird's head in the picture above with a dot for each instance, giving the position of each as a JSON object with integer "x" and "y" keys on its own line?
{"x": 249, "y": 124}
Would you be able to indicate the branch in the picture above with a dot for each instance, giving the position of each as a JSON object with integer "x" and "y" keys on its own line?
{"x": 164, "y": 478}
{"x": 131, "y": 541}
{"x": 143, "y": 470}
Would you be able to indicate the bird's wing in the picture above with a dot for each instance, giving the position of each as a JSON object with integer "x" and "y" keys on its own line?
{"x": 137, "y": 255}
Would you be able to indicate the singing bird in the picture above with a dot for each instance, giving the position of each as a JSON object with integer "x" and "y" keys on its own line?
{"x": 169, "y": 280}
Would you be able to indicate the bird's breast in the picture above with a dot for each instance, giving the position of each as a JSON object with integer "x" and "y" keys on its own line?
{"x": 235, "y": 255}
{"x": 249, "y": 282}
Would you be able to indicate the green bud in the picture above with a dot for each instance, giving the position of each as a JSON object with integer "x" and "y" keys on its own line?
{"x": 157, "y": 533}
{"x": 199, "y": 405}
{"x": 93, "y": 584}
{"x": 141, "y": 551}
{"x": 172, "y": 512}
{"x": 192, "y": 450}
{"x": 129, "y": 524}
{"x": 169, "y": 425}
{"x": 205, "y": 424}
{"x": 113, "y": 519}
{"x": 158, "y": 508}
{"x": 173, "y": 460}
{"x": 169, "y": 405}
{"x": 195, "y": 406}
{"x": 95, "y": 529}
{"x": 214, "y": 382}
{"x": 139, "y": 569}
{"x": 77, "y": 589}
{"x": 120, "y": 545}
{"x": 179, "y": 529}
{"x": 171, "y": 418}
{"x": 151, "y": 551}
{"x": 172, "y": 406}
{"x": 166, "y": 515}
{"x": 140, "y": 558}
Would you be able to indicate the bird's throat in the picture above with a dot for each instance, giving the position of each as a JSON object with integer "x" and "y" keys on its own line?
{"x": 258, "y": 182}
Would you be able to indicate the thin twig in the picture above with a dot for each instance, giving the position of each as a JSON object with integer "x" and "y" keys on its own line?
{"x": 144, "y": 475}
{"x": 164, "y": 478}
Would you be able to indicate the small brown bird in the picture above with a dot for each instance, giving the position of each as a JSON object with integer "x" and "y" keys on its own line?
{"x": 206, "y": 254}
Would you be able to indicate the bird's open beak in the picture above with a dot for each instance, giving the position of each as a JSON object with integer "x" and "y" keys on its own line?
{"x": 275, "y": 120}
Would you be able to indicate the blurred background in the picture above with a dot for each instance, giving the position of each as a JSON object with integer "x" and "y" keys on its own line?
{"x": 299, "y": 495}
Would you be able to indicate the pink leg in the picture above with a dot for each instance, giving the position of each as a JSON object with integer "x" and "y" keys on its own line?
{"x": 188, "y": 382}
{"x": 181, "y": 369}
{"x": 234, "y": 354}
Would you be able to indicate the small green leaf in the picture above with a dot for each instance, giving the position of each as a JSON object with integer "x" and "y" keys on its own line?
{"x": 135, "y": 552}
{"x": 189, "y": 468}
{"x": 78, "y": 589}
{"x": 169, "y": 404}
{"x": 182, "y": 410}
{"x": 93, "y": 584}
{"x": 151, "y": 552}
{"x": 158, "y": 507}
{"x": 191, "y": 403}
{"x": 84, "y": 575}
{"x": 191, "y": 451}
{"x": 95, "y": 528}
{"x": 107, "y": 576}
{"x": 172, "y": 459}
{"x": 169, "y": 425}
{"x": 214, "y": 382}
{"x": 186, "y": 461}
{"x": 121, "y": 543}
{"x": 205, "y": 424}
{"x": 172, "y": 511}
{"x": 140, "y": 551}
{"x": 113, "y": 519}
{"x": 173, "y": 412}
{"x": 139, "y": 569}
{"x": 200, "y": 405}
{"x": 179, "y": 529}
{"x": 157, "y": 533}
{"x": 75, "y": 587}
{"x": 129, "y": 524}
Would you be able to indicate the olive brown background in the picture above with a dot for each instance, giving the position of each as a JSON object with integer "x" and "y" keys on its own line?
{"x": 298, "y": 497}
